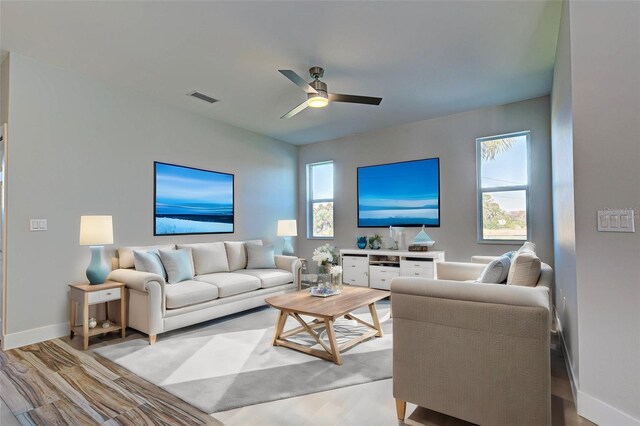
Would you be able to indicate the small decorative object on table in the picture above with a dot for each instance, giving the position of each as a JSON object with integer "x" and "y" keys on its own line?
{"x": 323, "y": 291}
{"x": 375, "y": 242}
{"x": 92, "y": 323}
{"x": 362, "y": 242}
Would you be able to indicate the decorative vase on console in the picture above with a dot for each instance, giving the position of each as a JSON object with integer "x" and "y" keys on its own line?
{"x": 375, "y": 242}
{"x": 362, "y": 242}
{"x": 336, "y": 277}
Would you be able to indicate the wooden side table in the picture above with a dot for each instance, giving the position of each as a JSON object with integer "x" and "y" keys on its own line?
{"x": 86, "y": 295}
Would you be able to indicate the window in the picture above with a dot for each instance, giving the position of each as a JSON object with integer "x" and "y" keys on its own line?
{"x": 503, "y": 187}
{"x": 320, "y": 200}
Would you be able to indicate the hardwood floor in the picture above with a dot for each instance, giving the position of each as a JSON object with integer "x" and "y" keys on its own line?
{"x": 55, "y": 382}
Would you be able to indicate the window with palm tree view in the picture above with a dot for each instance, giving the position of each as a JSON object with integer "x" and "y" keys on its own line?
{"x": 503, "y": 187}
{"x": 320, "y": 200}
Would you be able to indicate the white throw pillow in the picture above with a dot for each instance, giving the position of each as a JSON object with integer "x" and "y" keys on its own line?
{"x": 208, "y": 258}
{"x": 260, "y": 257}
{"x": 525, "y": 269}
{"x": 149, "y": 261}
{"x": 178, "y": 264}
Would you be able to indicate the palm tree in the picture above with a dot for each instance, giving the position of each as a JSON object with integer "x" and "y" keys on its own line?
{"x": 494, "y": 147}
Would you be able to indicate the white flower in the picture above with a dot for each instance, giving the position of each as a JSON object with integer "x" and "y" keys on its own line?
{"x": 324, "y": 254}
{"x": 336, "y": 270}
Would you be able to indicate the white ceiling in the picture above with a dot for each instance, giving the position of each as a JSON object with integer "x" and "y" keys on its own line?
{"x": 426, "y": 59}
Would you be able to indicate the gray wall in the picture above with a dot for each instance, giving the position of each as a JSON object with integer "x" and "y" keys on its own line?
{"x": 564, "y": 226}
{"x": 452, "y": 138}
{"x": 605, "y": 63}
{"x": 79, "y": 147}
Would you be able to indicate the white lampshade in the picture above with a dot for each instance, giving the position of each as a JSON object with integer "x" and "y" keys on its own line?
{"x": 96, "y": 230}
{"x": 287, "y": 228}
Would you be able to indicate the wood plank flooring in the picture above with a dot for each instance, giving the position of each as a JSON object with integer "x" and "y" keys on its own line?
{"x": 56, "y": 383}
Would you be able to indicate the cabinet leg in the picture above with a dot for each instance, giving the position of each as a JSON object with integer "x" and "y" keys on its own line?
{"x": 401, "y": 408}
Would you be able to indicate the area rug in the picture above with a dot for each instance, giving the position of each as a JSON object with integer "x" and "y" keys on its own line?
{"x": 230, "y": 362}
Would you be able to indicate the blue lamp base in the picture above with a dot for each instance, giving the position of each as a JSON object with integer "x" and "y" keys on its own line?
{"x": 287, "y": 249}
{"x": 98, "y": 269}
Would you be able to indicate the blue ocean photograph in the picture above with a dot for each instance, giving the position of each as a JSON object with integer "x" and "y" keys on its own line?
{"x": 399, "y": 194}
{"x": 192, "y": 201}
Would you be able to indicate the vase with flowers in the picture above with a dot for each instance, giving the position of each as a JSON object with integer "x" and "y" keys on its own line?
{"x": 326, "y": 256}
{"x": 336, "y": 277}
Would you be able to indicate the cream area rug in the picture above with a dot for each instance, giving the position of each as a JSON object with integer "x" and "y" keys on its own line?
{"x": 230, "y": 362}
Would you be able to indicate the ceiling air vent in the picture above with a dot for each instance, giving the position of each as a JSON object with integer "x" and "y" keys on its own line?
{"x": 202, "y": 97}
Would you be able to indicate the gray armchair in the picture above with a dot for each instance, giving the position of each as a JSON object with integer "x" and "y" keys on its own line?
{"x": 479, "y": 352}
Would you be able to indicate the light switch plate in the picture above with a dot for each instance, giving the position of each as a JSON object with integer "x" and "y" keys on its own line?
{"x": 616, "y": 220}
{"x": 37, "y": 225}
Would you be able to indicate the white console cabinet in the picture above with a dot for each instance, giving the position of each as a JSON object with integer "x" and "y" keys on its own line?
{"x": 376, "y": 268}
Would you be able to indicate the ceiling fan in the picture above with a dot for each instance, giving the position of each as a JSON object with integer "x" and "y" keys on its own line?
{"x": 317, "y": 94}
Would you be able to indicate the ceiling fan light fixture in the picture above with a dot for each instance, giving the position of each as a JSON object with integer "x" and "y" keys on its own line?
{"x": 319, "y": 100}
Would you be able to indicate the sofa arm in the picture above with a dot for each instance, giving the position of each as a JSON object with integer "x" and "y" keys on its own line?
{"x": 144, "y": 282}
{"x": 291, "y": 264}
{"x": 458, "y": 271}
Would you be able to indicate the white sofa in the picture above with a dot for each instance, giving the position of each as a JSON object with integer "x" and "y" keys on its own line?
{"x": 155, "y": 307}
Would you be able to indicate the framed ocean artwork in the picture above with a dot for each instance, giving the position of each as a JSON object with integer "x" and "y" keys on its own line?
{"x": 399, "y": 194}
{"x": 192, "y": 201}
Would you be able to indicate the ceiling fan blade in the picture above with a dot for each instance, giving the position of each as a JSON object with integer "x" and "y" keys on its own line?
{"x": 354, "y": 99}
{"x": 298, "y": 81}
{"x": 296, "y": 110}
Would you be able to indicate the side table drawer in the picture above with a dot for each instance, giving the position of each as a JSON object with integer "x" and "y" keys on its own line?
{"x": 103, "y": 295}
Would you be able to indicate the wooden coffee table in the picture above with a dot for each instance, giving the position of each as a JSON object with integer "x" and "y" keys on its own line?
{"x": 325, "y": 311}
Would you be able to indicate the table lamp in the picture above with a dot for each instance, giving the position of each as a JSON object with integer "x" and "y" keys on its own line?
{"x": 96, "y": 231}
{"x": 287, "y": 229}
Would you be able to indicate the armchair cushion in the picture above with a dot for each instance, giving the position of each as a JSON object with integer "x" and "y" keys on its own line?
{"x": 496, "y": 271}
{"x": 525, "y": 266}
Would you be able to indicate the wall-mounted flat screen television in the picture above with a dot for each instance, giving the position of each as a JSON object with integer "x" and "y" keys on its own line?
{"x": 192, "y": 201}
{"x": 399, "y": 194}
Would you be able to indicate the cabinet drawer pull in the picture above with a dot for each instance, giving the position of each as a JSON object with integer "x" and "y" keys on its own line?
{"x": 383, "y": 279}
{"x": 416, "y": 273}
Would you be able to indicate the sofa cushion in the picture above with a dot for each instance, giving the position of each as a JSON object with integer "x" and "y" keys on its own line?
{"x": 208, "y": 257}
{"x": 178, "y": 264}
{"x": 237, "y": 253}
{"x": 230, "y": 283}
{"x": 525, "y": 269}
{"x": 260, "y": 257}
{"x": 269, "y": 277}
{"x": 189, "y": 292}
{"x": 496, "y": 271}
{"x": 149, "y": 261}
{"x": 125, "y": 254}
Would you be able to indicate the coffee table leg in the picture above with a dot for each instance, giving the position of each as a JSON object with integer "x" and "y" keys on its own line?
{"x": 282, "y": 319}
{"x": 332, "y": 341}
{"x": 374, "y": 316}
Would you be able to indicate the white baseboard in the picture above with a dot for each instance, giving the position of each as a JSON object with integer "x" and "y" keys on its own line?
{"x": 567, "y": 360}
{"x": 35, "y": 335}
{"x": 589, "y": 407}
{"x": 602, "y": 413}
